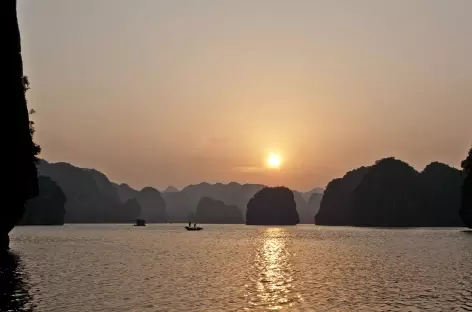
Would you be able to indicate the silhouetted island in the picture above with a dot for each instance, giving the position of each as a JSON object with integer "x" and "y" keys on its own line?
{"x": 91, "y": 197}
{"x": 391, "y": 193}
{"x": 215, "y": 211}
{"x": 388, "y": 195}
{"x": 441, "y": 190}
{"x": 126, "y": 212}
{"x": 272, "y": 206}
{"x": 335, "y": 208}
{"x": 48, "y": 207}
{"x": 466, "y": 207}
{"x": 153, "y": 206}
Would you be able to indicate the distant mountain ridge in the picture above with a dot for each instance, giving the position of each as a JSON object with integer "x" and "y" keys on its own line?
{"x": 182, "y": 204}
{"x": 387, "y": 193}
{"x": 92, "y": 197}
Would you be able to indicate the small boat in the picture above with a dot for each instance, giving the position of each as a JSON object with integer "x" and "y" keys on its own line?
{"x": 191, "y": 228}
{"x": 140, "y": 222}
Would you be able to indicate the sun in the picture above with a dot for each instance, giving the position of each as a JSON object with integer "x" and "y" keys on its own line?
{"x": 274, "y": 160}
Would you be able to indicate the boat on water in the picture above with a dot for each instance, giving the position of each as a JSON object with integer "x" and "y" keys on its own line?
{"x": 191, "y": 228}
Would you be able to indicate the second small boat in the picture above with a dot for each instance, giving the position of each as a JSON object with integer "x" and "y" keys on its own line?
{"x": 191, "y": 228}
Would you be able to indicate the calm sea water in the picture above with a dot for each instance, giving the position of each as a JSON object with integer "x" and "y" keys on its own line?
{"x": 240, "y": 268}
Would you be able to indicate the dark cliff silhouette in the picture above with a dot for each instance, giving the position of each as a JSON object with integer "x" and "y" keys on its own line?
{"x": 388, "y": 195}
{"x": 215, "y": 211}
{"x": 391, "y": 193}
{"x": 91, "y": 197}
{"x": 335, "y": 207}
{"x": 441, "y": 190}
{"x": 466, "y": 207}
{"x": 18, "y": 145}
{"x": 153, "y": 206}
{"x": 14, "y": 291}
{"x": 48, "y": 207}
{"x": 272, "y": 206}
{"x": 125, "y": 191}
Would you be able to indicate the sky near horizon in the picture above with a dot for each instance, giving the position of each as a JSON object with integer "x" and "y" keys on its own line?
{"x": 175, "y": 92}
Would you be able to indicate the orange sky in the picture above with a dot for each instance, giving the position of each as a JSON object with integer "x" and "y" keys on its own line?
{"x": 171, "y": 93}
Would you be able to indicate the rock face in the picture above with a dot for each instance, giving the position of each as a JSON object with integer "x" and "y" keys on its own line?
{"x": 466, "y": 207}
{"x": 48, "y": 207}
{"x": 125, "y": 192}
{"x": 393, "y": 194}
{"x": 272, "y": 206}
{"x": 17, "y": 143}
{"x": 389, "y": 194}
{"x": 91, "y": 197}
{"x": 215, "y": 211}
{"x": 335, "y": 207}
{"x": 153, "y": 206}
{"x": 314, "y": 202}
{"x": 441, "y": 188}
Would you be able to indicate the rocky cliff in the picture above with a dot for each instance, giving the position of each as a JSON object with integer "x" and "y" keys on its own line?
{"x": 215, "y": 211}
{"x": 48, "y": 208}
{"x": 91, "y": 197}
{"x": 272, "y": 206}
{"x": 391, "y": 193}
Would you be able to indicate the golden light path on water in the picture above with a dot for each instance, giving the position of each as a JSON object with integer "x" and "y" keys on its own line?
{"x": 272, "y": 282}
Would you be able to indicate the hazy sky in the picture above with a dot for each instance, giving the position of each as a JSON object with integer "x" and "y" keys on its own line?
{"x": 176, "y": 92}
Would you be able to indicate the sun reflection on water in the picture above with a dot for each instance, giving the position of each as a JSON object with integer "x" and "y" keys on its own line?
{"x": 272, "y": 285}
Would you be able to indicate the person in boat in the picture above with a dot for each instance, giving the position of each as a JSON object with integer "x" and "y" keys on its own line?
{"x": 189, "y": 224}
{"x": 195, "y": 224}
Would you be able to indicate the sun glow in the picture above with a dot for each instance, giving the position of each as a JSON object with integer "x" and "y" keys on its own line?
{"x": 273, "y": 160}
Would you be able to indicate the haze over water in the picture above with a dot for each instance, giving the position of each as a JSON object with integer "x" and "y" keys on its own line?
{"x": 241, "y": 268}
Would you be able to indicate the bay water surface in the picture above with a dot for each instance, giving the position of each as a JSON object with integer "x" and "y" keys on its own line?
{"x": 240, "y": 268}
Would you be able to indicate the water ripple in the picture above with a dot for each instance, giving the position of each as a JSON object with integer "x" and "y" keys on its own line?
{"x": 239, "y": 268}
